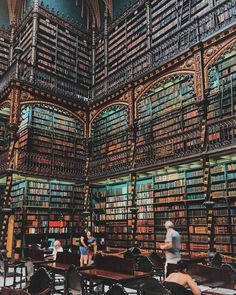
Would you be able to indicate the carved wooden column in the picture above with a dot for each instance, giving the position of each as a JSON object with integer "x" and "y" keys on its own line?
{"x": 201, "y": 100}
{"x": 93, "y": 52}
{"x": 106, "y": 42}
{"x": 149, "y": 24}
{"x": 34, "y": 38}
{"x": 134, "y": 209}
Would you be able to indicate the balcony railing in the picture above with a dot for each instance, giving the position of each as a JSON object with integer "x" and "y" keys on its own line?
{"x": 110, "y": 164}
{"x": 220, "y": 17}
{"x": 199, "y": 29}
{"x": 45, "y": 80}
{"x": 173, "y": 147}
{"x": 48, "y": 165}
{"x": 222, "y": 134}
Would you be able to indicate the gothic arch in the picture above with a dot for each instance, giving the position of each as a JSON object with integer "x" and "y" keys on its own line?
{"x": 159, "y": 80}
{"x": 216, "y": 55}
{"x": 96, "y": 115}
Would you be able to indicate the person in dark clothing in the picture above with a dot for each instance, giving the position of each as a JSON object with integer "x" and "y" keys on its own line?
{"x": 178, "y": 281}
{"x": 83, "y": 247}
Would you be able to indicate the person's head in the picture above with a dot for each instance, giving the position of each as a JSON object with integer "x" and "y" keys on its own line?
{"x": 57, "y": 244}
{"x": 169, "y": 225}
{"x": 89, "y": 234}
{"x": 85, "y": 229}
{"x": 182, "y": 266}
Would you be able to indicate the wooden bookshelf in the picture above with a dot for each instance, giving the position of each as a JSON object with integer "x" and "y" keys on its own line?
{"x": 46, "y": 209}
{"x": 164, "y": 115}
{"x": 4, "y": 136}
{"x": 111, "y": 216}
{"x": 145, "y": 218}
{"x": 110, "y": 138}
{"x": 49, "y": 131}
{"x": 4, "y": 50}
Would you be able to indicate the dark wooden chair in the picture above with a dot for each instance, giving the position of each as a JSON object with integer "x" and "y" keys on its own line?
{"x": 158, "y": 265}
{"x": 152, "y": 286}
{"x": 145, "y": 265}
{"x": 10, "y": 268}
{"x": 135, "y": 250}
{"x": 76, "y": 285}
{"x": 129, "y": 255}
{"x": 216, "y": 260}
{"x": 41, "y": 283}
{"x": 74, "y": 281}
{"x": 8, "y": 291}
{"x": 116, "y": 289}
{"x": 232, "y": 272}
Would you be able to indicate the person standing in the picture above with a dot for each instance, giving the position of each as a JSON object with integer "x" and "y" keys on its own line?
{"x": 83, "y": 247}
{"x": 91, "y": 246}
{"x": 172, "y": 248}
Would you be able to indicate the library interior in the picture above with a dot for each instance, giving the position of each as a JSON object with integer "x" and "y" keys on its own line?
{"x": 117, "y": 147}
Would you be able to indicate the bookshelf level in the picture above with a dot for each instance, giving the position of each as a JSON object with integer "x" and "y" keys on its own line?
{"x": 145, "y": 219}
{"x": 128, "y": 37}
{"x": 52, "y": 133}
{"x": 174, "y": 193}
{"x": 109, "y": 138}
{"x": 46, "y": 208}
{"x": 4, "y": 135}
{"x": 164, "y": 115}
{"x": 111, "y": 216}
{"x": 4, "y": 50}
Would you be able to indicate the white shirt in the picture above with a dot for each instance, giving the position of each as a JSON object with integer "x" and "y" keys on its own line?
{"x": 55, "y": 250}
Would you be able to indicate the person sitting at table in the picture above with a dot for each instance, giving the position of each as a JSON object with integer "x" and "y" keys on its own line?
{"x": 57, "y": 248}
{"x": 178, "y": 281}
{"x": 91, "y": 246}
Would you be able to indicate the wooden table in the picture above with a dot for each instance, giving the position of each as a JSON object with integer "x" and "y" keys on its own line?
{"x": 109, "y": 277}
{"x": 218, "y": 291}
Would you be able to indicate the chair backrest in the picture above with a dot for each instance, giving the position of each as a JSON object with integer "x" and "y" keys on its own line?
{"x": 152, "y": 286}
{"x": 68, "y": 258}
{"x": 74, "y": 279}
{"x": 36, "y": 254}
{"x": 156, "y": 260}
{"x": 116, "y": 289}
{"x": 216, "y": 260}
{"x": 176, "y": 289}
{"x": 129, "y": 255}
{"x": 135, "y": 250}
{"x": 8, "y": 291}
{"x": 145, "y": 264}
{"x": 232, "y": 272}
{"x": 40, "y": 281}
